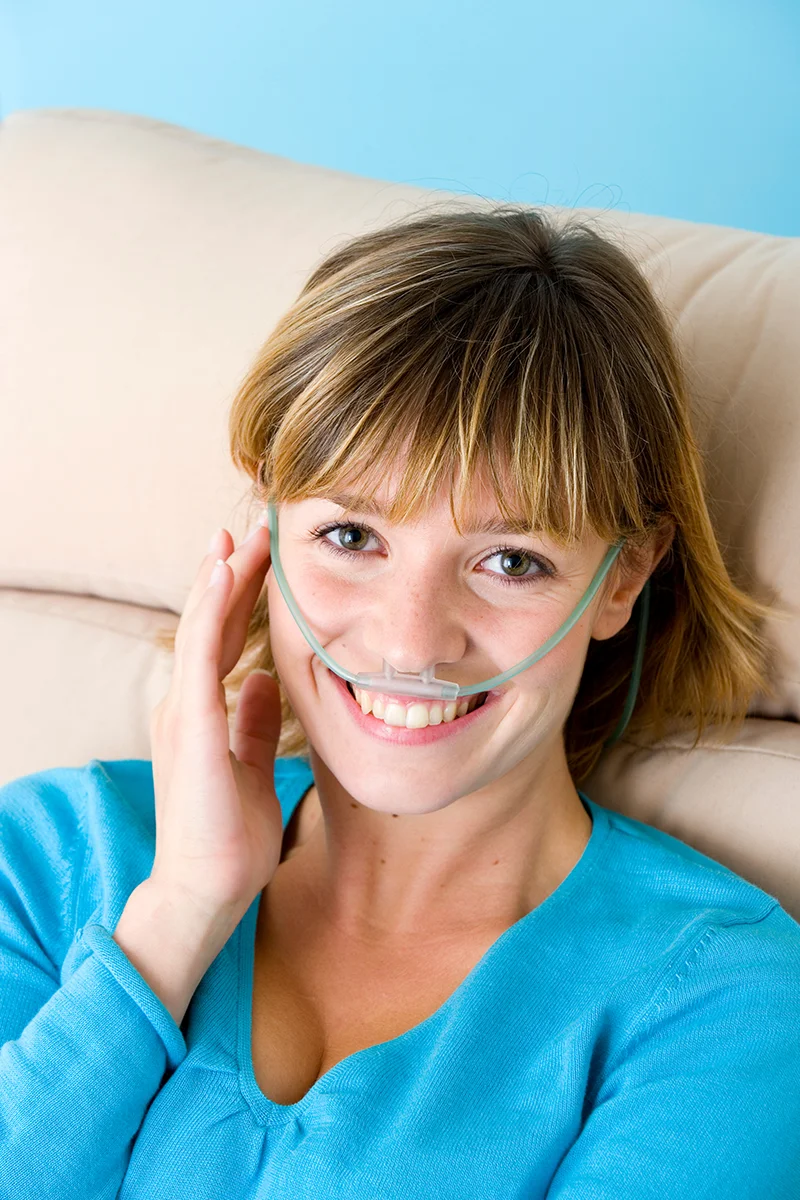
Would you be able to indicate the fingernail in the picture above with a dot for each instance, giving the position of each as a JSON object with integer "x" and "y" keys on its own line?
{"x": 262, "y": 520}
{"x": 215, "y": 574}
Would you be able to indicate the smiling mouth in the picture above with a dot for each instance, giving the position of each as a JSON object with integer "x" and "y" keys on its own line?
{"x": 412, "y": 712}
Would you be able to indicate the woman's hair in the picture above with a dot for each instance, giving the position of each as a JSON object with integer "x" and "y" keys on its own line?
{"x": 497, "y": 341}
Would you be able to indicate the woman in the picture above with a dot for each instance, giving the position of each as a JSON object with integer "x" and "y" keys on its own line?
{"x": 417, "y": 961}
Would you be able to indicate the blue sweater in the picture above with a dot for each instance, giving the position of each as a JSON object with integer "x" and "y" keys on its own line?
{"x": 636, "y": 1035}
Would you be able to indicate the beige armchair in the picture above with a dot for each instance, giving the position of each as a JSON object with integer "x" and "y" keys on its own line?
{"x": 141, "y": 267}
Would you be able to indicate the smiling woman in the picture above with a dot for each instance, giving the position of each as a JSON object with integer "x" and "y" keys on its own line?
{"x": 465, "y": 978}
{"x": 498, "y": 344}
{"x": 408, "y": 957}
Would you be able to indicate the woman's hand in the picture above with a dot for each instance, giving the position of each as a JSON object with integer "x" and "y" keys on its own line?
{"x": 219, "y": 828}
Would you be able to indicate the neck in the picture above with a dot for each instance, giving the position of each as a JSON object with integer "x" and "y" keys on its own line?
{"x": 480, "y": 862}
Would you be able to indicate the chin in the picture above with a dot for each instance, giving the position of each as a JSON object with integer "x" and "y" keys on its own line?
{"x": 385, "y": 792}
{"x": 373, "y": 783}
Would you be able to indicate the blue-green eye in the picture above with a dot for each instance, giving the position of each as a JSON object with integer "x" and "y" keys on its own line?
{"x": 354, "y": 549}
{"x": 524, "y": 562}
{"x": 351, "y": 543}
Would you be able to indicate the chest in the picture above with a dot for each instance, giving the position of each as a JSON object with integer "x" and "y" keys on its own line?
{"x": 315, "y": 1003}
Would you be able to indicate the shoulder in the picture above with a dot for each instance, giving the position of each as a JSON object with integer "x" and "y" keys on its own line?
{"x": 76, "y": 841}
{"x": 725, "y": 1014}
{"x": 656, "y": 881}
{"x": 698, "y": 1086}
{"x": 69, "y": 806}
{"x": 685, "y": 942}
{"x": 41, "y": 818}
{"x": 654, "y": 912}
{"x": 43, "y": 850}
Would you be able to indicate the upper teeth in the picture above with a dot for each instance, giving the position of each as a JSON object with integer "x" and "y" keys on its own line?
{"x": 417, "y": 715}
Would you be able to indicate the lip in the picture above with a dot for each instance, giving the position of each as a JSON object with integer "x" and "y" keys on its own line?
{"x": 397, "y": 735}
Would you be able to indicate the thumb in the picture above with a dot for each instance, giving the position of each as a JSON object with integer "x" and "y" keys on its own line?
{"x": 257, "y": 726}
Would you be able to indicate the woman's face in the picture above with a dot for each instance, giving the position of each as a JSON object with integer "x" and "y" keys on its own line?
{"x": 471, "y": 605}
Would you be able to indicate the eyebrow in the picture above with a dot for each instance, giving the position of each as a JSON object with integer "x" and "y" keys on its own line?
{"x": 361, "y": 504}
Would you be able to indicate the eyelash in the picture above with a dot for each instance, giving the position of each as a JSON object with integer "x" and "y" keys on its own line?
{"x": 321, "y": 530}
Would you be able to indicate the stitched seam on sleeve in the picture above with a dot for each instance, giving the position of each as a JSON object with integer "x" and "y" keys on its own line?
{"x": 678, "y": 972}
{"x": 659, "y": 998}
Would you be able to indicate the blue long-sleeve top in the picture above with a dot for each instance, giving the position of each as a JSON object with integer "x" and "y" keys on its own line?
{"x": 635, "y": 1035}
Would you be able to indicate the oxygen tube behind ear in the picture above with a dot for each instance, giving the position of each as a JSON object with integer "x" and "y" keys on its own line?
{"x": 425, "y": 684}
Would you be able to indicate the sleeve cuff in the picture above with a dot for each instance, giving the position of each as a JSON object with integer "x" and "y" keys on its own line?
{"x": 115, "y": 960}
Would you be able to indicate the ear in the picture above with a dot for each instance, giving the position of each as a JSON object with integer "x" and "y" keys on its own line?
{"x": 616, "y": 609}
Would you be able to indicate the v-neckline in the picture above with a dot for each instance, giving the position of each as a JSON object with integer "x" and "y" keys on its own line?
{"x": 270, "y": 1112}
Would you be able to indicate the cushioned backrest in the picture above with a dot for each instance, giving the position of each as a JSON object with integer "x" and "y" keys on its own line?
{"x": 143, "y": 265}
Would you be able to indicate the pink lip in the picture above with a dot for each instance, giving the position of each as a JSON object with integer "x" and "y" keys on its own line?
{"x": 396, "y": 735}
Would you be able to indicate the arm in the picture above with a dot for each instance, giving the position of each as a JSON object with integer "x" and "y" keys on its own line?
{"x": 80, "y": 1060}
{"x": 704, "y": 1104}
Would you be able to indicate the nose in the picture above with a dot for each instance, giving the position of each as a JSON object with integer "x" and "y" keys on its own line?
{"x": 414, "y": 632}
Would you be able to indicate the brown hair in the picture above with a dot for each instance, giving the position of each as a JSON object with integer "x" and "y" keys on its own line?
{"x": 502, "y": 339}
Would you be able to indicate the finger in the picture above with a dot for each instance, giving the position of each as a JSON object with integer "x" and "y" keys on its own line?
{"x": 198, "y": 685}
{"x": 221, "y": 546}
{"x": 258, "y": 722}
{"x": 251, "y": 557}
{"x": 249, "y": 565}
{"x": 237, "y": 621}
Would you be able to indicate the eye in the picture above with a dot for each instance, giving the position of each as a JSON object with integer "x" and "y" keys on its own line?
{"x": 521, "y": 575}
{"x": 518, "y": 562}
{"x": 353, "y": 544}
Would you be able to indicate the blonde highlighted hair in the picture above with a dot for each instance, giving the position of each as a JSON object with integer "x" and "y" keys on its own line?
{"x": 500, "y": 341}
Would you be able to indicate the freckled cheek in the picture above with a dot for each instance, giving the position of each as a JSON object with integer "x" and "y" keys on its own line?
{"x": 327, "y": 606}
{"x": 290, "y": 650}
{"x": 558, "y": 671}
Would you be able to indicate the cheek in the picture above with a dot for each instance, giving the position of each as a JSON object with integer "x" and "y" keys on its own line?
{"x": 292, "y": 656}
{"x": 323, "y": 598}
{"x": 559, "y": 671}
{"x": 329, "y": 609}
{"x": 290, "y": 650}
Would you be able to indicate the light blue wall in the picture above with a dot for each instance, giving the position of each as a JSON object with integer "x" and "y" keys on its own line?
{"x": 689, "y": 108}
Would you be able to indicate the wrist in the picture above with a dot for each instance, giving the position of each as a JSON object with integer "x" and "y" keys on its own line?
{"x": 171, "y": 941}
